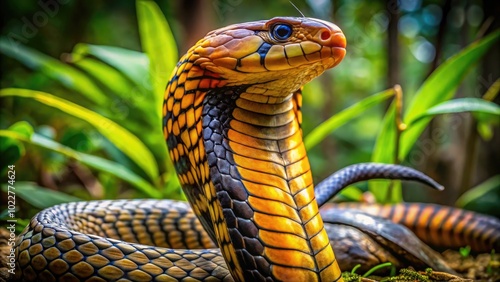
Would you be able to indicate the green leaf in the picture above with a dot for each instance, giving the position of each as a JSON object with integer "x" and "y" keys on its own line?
{"x": 98, "y": 163}
{"x": 482, "y": 198}
{"x": 485, "y": 130}
{"x": 321, "y": 131}
{"x": 352, "y": 193}
{"x": 460, "y": 106}
{"x": 76, "y": 139}
{"x": 133, "y": 64}
{"x": 384, "y": 153}
{"x": 158, "y": 43}
{"x": 65, "y": 74}
{"x": 138, "y": 98}
{"x": 108, "y": 76}
{"x": 40, "y": 197}
{"x": 441, "y": 86}
{"x": 23, "y": 128}
{"x": 12, "y": 150}
{"x": 128, "y": 143}
{"x": 384, "y": 145}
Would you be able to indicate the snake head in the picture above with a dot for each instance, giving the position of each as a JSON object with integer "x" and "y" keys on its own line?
{"x": 279, "y": 54}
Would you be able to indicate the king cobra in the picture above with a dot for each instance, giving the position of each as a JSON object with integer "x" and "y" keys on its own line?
{"x": 232, "y": 123}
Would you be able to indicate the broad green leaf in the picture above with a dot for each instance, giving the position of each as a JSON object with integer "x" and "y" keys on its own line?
{"x": 478, "y": 191}
{"x": 321, "y": 131}
{"x": 384, "y": 152}
{"x": 108, "y": 76}
{"x": 128, "y": 143}
{"x": 138, "y": 95}
{"x": 459, "y": 106}
{"x": 23, "y": 128}
{"x": 133, "y": 64}
{"x": 132, "y": 101}
{"x": 441, "y": 86}
{"x": 158, "y": 43}
{"x": 65, "y": 74}
{"x": 40, "y": 197}
{"x": 98, "y": 163}
{"x": 482, "y": 198}
{"x": 12, "y": 150}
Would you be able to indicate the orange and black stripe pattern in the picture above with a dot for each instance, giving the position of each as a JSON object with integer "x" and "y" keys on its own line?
{"x": 120, "y": 240}
{"x": 437, "y": 225}
{"x": 232, "y": 125}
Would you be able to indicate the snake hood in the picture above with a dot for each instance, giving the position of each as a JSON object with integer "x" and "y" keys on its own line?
{"x": 276, "y": 56}
{"x": 232, "y": 125}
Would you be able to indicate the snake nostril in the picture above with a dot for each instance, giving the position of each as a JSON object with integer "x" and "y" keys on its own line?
{"x": 325, "y": 35}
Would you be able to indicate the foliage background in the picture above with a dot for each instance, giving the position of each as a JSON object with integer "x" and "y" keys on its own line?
{"x": 389, "y": 42}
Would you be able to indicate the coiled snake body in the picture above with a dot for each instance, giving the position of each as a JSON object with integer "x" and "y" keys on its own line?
{"x": 232, "y": 125}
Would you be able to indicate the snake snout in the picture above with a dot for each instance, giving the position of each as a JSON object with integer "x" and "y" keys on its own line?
{"x": 329, "y": 34}
{"x": 331, "y": 37}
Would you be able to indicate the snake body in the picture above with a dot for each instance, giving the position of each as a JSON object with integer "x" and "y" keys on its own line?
{"x": 232, "y": 123}
{"x": 436, "y": 225}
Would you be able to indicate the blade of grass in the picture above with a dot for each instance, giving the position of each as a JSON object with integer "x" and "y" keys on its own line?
{"x": 475, "y": 105}
{"x": 41, "y": 197}
{"x": 478, "y": 191}
{"x": 55, "y": 69}
{"x": 128, "y": 143}
{"x": 321, "y": 131}
{"x": 375, "y": 268}
{"x": 158, "y": 43}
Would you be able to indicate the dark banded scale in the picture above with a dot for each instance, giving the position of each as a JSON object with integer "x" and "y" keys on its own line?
{"x": 436, "y": 225}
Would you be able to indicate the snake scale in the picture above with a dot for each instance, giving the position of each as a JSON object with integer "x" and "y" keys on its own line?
{"x": 232, "y": 123}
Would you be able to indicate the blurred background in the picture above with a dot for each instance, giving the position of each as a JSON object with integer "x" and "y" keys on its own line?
{"x": 389, "y": 42}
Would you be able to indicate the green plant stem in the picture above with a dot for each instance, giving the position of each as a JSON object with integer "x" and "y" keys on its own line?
{"x": 400, "y": 126}
{"x": 377, "y": 267}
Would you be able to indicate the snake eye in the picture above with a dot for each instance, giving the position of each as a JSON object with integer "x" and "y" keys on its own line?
{"x": 281, "y": 32}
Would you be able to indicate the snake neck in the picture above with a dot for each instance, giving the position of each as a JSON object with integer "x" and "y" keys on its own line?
{"x": 242, "y": 164}
{"x": 262, "y": 206}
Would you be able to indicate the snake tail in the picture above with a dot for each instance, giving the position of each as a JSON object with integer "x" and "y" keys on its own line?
{"x": 330, "y": 186}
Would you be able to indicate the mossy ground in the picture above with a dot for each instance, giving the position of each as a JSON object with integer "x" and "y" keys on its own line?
{"x": 482, "y": 267}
